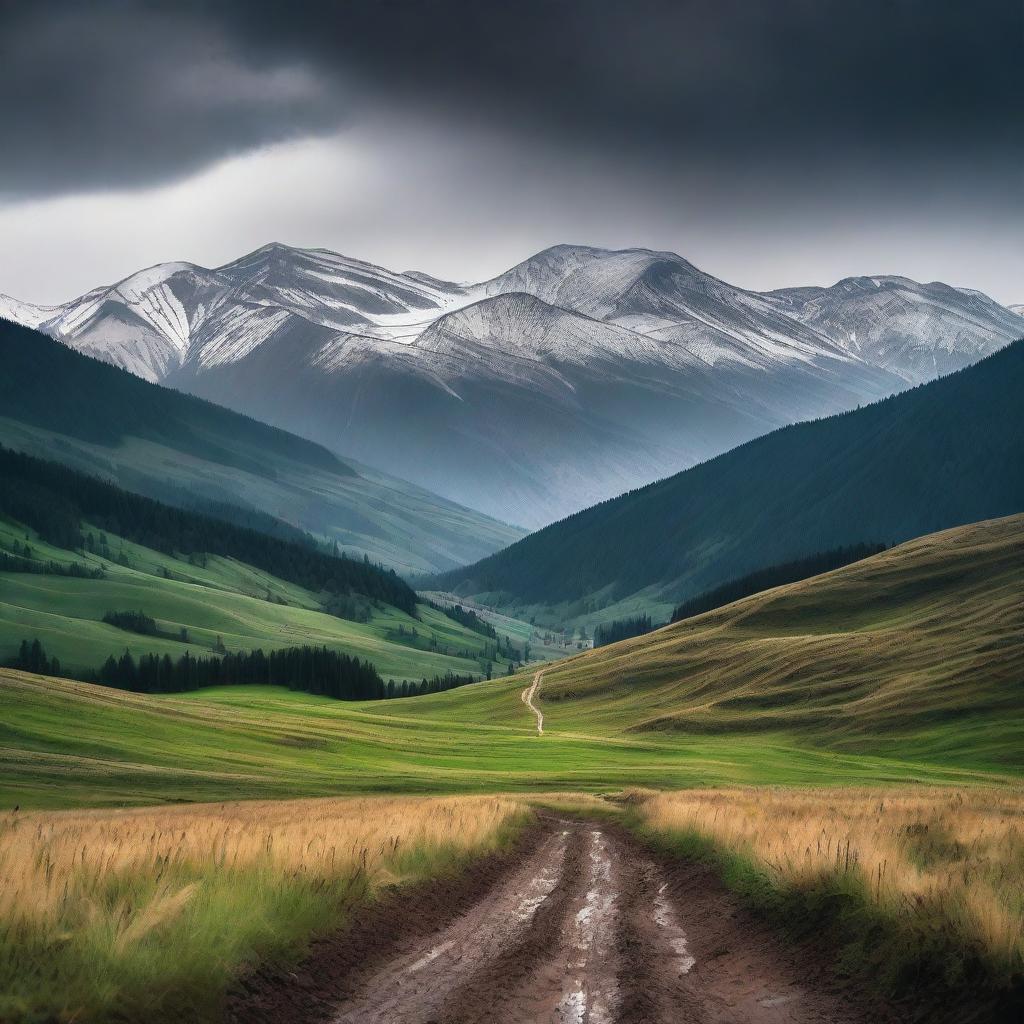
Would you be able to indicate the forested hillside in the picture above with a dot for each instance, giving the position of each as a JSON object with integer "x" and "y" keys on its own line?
{"x": 50, "y": 385}
{"x": 945, "y": 453}
{"x": 54, "y": 501}
{"x": 61, "y": 405}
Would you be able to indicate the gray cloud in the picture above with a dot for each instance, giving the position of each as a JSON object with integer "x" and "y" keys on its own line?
{"x": 113, "y": 92}
{"x": 99, "y": 96}
{"x": 773, "y": 143}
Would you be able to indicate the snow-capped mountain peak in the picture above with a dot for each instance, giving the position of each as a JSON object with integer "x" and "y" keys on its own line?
{"x": 917, "y": 331}
{"x": 579, "y": 373}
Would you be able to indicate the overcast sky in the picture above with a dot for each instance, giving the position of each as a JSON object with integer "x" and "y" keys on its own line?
{"x": 771, "y": 143}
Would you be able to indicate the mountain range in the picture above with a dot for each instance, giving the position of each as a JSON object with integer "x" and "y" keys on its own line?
{"x": 939, "y": 455}
{"x": 576, "y": 375}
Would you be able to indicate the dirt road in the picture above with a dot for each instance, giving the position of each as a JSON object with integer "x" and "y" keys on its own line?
{"x": 527, "y": 697}
{"x": 584, "y": 927}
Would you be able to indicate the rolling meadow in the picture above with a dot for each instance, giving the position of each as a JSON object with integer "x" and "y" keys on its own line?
{"x": 225, "y": 828}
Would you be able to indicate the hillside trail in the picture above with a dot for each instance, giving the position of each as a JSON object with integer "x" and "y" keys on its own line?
{"x": 527, "y": 698}
{"x": 584, "y": 927}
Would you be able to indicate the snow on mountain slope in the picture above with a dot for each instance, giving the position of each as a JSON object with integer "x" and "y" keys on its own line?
{"x": 578, "y": 373}
{"x": 665, "y": 298}
{"x": 25, "y": 313}
{"x": 918, "y": 331}
{"x": 342, "y": 293}
{"x": 526, "y": 327}
{"x": 143, "y": 323}
{"x": 157, "y": 319}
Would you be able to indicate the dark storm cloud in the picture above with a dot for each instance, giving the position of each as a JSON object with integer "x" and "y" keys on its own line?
{"x": 111, "y": 93}
{"x": 102, "y": 95}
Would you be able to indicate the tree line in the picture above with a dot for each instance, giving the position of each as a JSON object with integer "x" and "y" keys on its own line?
{"x": 27, "y": 563}
{"x": 621, "y": 629}
{"x": 133, "y": 622}
{"x": 466, "y": 617}
{"x": 316, "y": 670}
{"x": 774, "y": 576}
{"x": 54, "y": 500}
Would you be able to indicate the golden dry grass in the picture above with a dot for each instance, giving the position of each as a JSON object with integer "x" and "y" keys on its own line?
{"x": 153, "y": 911}
{"x": 957, "y": 853}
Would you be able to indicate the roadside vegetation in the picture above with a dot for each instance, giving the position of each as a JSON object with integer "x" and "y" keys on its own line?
{"x": 150, "y": 914}
{"x": 920, "y": 890}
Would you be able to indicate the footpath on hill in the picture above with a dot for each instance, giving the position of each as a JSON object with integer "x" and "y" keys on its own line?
{"x": 528, "y": 696}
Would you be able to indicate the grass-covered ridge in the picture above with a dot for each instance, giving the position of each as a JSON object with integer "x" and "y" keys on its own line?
{"x": 54, "y": 500}
{"x": 922, "y": 642}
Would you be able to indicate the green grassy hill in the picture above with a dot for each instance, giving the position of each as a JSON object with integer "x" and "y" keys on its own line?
{"x": 903, "y": 667}
{"x": 58, "y": 404}
{"x": 920, "y": 647}
{"x": 224, "y": 599}
{"x": 946, "y": 453}
{"x": 74, "y": 548}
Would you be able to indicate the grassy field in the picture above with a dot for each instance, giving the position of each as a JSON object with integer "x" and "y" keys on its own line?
{"x": 917, "y": 889}
{"x": 223, "y": 598}
{"x": 149, "y": 915}
{"x": 901, "y": 668}
{"x": 68, "y": 744}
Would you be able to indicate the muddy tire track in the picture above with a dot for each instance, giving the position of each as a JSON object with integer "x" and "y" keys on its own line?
{"x": 399, "y": 921}
{"x": 423, "y": 983}
{"x": 576, "y": 980}
{"x": 582, "y": 925}
{"x": 500, "y": 981}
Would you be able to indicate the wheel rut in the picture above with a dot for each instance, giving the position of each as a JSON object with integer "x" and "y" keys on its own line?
{"x": 457, "y": 972}
{"x": 587, "y": 927}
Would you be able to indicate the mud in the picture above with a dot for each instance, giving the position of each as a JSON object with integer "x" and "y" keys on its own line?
{"x": 579, "y": 925}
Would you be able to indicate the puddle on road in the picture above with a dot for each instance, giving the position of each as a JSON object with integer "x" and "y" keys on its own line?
{"x": 771, "y": 1001}
{"x": 573, "y": 1008}
{"x": 665, "y": 918}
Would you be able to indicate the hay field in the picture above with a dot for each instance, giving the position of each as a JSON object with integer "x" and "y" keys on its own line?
{"x": 928, "y": 863}
{"x": 154, "y": 911}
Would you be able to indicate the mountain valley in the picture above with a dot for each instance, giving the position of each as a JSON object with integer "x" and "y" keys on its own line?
{"x": 576, "y": 375}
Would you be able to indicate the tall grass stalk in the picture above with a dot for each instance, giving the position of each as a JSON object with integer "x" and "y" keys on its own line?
{"x": 150, "y": 913}
{"x": 940, "y": 868}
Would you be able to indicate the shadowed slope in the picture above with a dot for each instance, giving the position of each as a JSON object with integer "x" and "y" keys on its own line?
{"x": 943, "y": 454}
{"x": 61, "y": 405}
